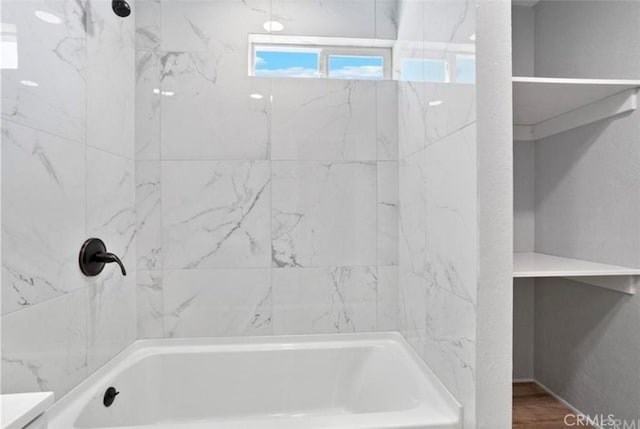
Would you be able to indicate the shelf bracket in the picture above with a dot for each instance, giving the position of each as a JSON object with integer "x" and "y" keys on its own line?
{"x": 624, "y": 284}
{"x": 614, "y": 105}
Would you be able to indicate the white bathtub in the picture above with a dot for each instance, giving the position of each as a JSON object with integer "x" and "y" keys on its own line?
{"x": 328, "y": 381}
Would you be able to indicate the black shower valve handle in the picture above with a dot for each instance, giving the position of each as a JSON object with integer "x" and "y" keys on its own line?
{"x": 107, "y": 258}
{"x": 94, "y": 256}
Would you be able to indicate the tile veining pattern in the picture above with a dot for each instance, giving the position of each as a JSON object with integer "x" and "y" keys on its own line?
{"x": 68, "y": 174}
{"x": 437, "y": 197}
{"x": 267, "y": 214}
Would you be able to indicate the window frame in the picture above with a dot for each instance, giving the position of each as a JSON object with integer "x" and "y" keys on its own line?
{"x": 325, "y": 47}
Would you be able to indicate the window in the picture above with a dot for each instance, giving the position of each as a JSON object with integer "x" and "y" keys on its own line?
{"x": 328, "y": 57}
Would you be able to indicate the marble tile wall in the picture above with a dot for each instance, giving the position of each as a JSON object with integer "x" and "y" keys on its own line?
{"x": 271, "y": 214}
{"x": 437, "y": 198}
{"x": 68, "y": 174}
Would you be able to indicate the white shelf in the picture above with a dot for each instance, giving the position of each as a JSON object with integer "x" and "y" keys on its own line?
{"x": 622, "y": 279}
{"x": 546, "y": 106}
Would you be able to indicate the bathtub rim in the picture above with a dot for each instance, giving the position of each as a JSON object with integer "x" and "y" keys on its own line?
{"x": 70, "y": 406}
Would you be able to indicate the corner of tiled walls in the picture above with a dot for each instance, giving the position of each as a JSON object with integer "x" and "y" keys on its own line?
{"x": 437, "y": 197}
{"x": 68, "y": 174}
{"x": 272, "y": 215}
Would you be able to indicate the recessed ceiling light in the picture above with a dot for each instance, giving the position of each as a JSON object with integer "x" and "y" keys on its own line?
{"x": 29, "y": 83}
{"x": 473, "y": 37}
{"x": 273, "y": 26}
{"x": 256, "y": 96}
{"x": 168, "y": 93}
{"x": 156, "y": 91}
{"x": 435, "y": 103}
{"x": 47, "y": 17}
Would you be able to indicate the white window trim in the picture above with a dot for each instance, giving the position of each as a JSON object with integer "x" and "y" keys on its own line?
{"x": 324, "y": 47}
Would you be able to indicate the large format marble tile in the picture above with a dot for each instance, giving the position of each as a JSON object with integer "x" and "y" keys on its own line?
{"x": 150, "y": 307}
{"x": 147, "y": 106}
{"x": 388, "y": 207}
{"x": 323, "y": 214}
{"x": 40, "y": 246}
{"x": 386, "y": 19}
{"x": 148, "y": 216}
{"x": 321, "y": 119}
{"x": 451, "y": 214}
{"x": 213, "y": 26}
{"x": 111, "y": 217}
{"x": 324, "y": 300}
{"x": 215, "y": 214}
{"x": 44, "y": 347}
{"x": 111, "y": 204}
{"x": 412, "y": 240}
{"x": 387, "y": 120}
{"x": 388, "y": 310}
{"x": 412, "y": 117}
{"x": 110, "y": 80}
{"x": 412, "y": 304}
{"x": 44, "y": 87}
{"x": 209, "y": 110}
{"x": 112, "y": 315}
{"x": 147, "y": 16}
{"x": 449, "y": 108}
{"x": 334, "y": 18}
{"x": 217, "y": 303}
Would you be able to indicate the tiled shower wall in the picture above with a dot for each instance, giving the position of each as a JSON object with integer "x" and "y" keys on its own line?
{"x": 67, "y": 174}
{"x": 438, "y": 261}
{"x": 271, "y": 214}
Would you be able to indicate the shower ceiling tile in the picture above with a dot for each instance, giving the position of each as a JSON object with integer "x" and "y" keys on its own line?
{"x": 323, "y": 214}
{"x": 210, "y": 114}
{"x": 321, "y": 119}
{"x": 324, "y": 300}
{"x": 40, "y": 246}
{"x": 215, "y": 214}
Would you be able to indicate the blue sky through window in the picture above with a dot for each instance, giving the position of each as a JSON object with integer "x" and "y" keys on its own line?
{"x": 286, "y": 63}
{"x": 349, "y": 67}
{"x": 290, "y": 63}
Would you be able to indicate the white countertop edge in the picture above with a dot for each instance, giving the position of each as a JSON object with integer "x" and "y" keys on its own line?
{"x": 19, "y": 409}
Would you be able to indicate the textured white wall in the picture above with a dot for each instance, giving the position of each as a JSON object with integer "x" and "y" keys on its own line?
{"x": 522, "y": 35}
{"x": 495, "y": 214}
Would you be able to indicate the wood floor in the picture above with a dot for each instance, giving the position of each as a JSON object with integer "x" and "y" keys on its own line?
{"x": 534, "y": 408}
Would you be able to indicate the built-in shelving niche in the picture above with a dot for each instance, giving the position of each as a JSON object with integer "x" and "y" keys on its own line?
{"x": 533, "y": 265}
{"x": 543, "y": 107}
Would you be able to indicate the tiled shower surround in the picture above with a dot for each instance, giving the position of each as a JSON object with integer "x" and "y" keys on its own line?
{"x": 244, "y": 205}
{"x": 265, "y": 205}
{"x": 68, "y": 173}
